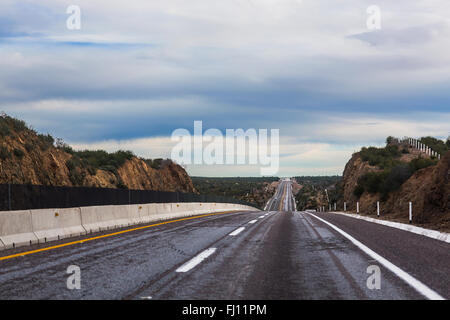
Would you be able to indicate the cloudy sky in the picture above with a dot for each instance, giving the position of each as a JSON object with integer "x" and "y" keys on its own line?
{"x": 138, "y": 70}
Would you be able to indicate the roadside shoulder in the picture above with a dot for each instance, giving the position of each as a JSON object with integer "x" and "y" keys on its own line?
{"x": 434, "y": 234}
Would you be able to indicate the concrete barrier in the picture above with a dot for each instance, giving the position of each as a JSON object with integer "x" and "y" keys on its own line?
{"x": 55, "y": 224}
{"x": 136, "y": 213}
{"x": 20, "y": 228}
{"x": 202, "y": 208}
{"x": 98, "y": 218}
{"x": 181, "y": 209}
{"x": 158, "y": 212}
{"x": 16, "y": 229}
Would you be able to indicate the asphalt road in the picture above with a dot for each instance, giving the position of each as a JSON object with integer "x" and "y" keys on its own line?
{"x": 277, "y": 254}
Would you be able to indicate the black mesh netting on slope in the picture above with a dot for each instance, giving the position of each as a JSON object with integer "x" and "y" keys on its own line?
{"x": 23, "y": 197}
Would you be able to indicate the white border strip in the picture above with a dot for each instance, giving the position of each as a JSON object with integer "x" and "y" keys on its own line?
{"x": 196, "y": 260}
{"x": 413, "y": 282}
{"x": 434, "y": 234}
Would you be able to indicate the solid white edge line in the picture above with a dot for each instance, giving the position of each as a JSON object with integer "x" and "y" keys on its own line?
{"x": 413, "y": 282}
{"x": 196, "y": 260}
{"x": 237, "y": 231}
{"x": 253, "y": 221}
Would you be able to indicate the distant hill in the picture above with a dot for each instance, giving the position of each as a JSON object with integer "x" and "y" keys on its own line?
{"x": 311, "y": 194}
{"x": 28, "y": 157}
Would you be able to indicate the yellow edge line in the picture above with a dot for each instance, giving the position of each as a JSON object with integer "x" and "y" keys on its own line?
{"x": 106, "y": 235}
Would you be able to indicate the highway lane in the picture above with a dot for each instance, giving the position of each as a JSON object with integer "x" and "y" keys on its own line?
{"x": 282, "y": 199}
{"x": 114, "y": 267}
{"x": 277, "y": 254}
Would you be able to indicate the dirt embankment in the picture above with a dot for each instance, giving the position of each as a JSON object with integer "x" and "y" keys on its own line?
{"x": 428, "y": 189}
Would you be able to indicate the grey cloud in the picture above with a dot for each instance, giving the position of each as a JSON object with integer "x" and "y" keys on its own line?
{"x": 416, "y": 35}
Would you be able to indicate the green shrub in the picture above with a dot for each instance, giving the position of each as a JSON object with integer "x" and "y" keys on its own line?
{"x": 121, "y": 185}
{"x": 46, "y": 141}
{"x": 4, "y": 153}
{"x": 8, "y": 124}
{"x": 382, "y": 157}
{"x": 18, "y": 153}
{"x": 109, "y": 168}
{"x": 358, "y": 191}
{"x": 420, "y": 163}
{"x": 385, "y": 181}
{"x": 372, "y": 181}
{"x": 394, "y": 179}
{"x": 76, "y": 177}
{"x": 4, "y": 129}
{"x": 17, "y": 125}
{"x": 389, "y": 140}
{"x": 29, "y": 147}
{"x": 71, "y": 164}
{"x": 61, "y": 145}
{"x": 47, "y": 138}
{"x": 92, "y": 171}
{"x": 66, "y": 148}
{"x": 155, "y": 163}
{"x": 101, "y": 159}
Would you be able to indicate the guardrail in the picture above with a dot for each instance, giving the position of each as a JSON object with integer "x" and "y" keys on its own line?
{"x": 417, "y": 144}
{"x": 357, "y": 211}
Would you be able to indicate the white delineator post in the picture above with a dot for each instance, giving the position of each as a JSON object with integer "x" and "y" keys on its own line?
{"x": 357, "y": 207}
{"x": 345, "y": 206}
{"x": 410, "y": 212}
{"x": 378, "y": 208}
{"x": 335, "y": 206}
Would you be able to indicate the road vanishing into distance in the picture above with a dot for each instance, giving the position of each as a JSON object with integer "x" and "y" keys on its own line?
{"x": 275, "y": 254}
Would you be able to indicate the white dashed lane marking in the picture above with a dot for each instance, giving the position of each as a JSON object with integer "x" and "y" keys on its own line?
{"x": 196, "y": 260}
{"x": 237, "y": 231}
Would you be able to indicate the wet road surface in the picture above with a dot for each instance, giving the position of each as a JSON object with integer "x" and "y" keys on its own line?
{"x": 275, "y": 254}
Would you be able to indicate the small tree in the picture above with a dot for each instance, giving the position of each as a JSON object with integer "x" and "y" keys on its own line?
{"x": 389, "y": 140}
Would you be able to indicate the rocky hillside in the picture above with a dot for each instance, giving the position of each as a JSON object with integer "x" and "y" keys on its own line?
{"x": 396, "y": 175}
{"x": 27, "y": 157}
